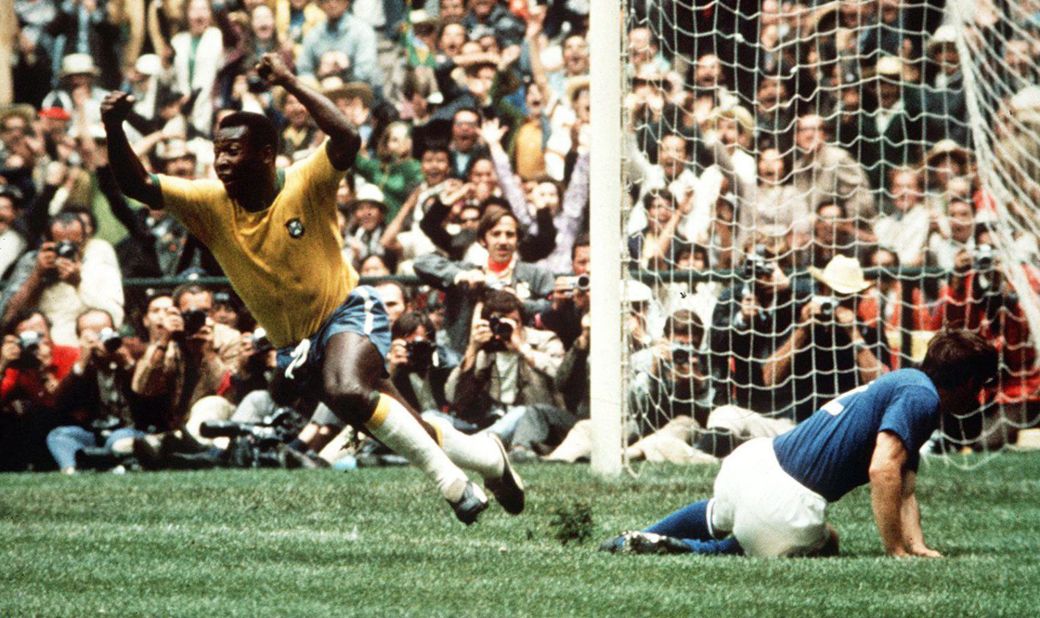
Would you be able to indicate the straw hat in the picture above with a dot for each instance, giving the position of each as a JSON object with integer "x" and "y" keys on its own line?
{"x": 369, "y": 193}
{"x": 950, "y": 148}
{"x": 78, "y": 64}
{"x": 148, "y": 64}
{"x": 889, "y": 66}
{"x": 943, "y": 35}
{"x": 843, "y": 275}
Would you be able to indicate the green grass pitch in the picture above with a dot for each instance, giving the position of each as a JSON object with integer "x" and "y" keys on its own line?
{"x": 379, "y": 542}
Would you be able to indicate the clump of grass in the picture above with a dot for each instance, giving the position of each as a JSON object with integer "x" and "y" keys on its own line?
{"x": 572, "y": 523}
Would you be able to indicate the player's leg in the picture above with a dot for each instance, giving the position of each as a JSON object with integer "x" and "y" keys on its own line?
{"x": 351, "y": 377}
{"x": 482, "y": 453}
{"x": 687, "y": 530}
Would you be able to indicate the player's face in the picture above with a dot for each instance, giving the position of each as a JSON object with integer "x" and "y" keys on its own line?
{"x": 237, "y": 162}
{"x": 501, "y": 240}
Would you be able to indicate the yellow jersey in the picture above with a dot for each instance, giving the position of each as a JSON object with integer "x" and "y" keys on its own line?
{"x": 285, "y": 262}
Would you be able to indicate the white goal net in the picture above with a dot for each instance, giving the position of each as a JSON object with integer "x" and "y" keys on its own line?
{"x": 811, "y": 191}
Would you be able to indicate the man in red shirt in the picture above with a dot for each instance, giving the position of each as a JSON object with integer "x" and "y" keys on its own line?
{"x": 32, "y": 367}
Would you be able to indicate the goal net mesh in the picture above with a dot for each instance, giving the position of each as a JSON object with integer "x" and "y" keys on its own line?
{"x": 814, "y": 190}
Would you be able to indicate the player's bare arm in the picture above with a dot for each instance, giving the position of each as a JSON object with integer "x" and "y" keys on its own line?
{"x": 913, "y": 534}
{"x": 344, "y": 142}
{"x": 133, "y": 179}
{"x": 886, "y": 492}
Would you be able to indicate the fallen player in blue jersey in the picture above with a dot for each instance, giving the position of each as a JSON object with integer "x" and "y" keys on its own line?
{"x": 771, "y": 494}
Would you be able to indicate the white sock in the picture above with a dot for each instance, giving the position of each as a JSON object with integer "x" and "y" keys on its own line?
{"x": 395, "y": 427}
{"x": 477, "y": 452}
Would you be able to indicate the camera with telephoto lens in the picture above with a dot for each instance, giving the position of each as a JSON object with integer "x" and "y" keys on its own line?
{"x": 110, "y": 339}
{"x": 67, "y": 250}
{"x": 258, "y": 445}
{"x": 194, "y": 320}
{"x": 827, "y": 306}
{"x": 29, "y": 343}
{"x": 501, "y": 332}
{"x": 983, "y": 258}
{"x": 420, "y": 355}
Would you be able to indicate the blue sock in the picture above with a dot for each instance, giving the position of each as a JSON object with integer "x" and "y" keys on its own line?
{"x": 725, "y": 546}
{"x": 689, "y": 522}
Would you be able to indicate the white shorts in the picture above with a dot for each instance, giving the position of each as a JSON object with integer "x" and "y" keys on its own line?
{"x": 768, "y": 512}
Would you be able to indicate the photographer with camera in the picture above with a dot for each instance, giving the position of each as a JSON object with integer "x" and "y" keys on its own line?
{"x": 418, "y": 367}
{"x": 464, "y": 283}
{"x": 979, "y": 296}
{"x": 570, "y": 297}
{"x": 834, "y": 347}
{"x": 32, "y": 367}
{"x": 505, "y": 382}
{"x": 180, "y": 365}
{"x": 96, "y": 395}
{"x": 62, "y": 281}
{"x": 752, "y": 318}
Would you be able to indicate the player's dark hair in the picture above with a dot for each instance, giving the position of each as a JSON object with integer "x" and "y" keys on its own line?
{"x": 261, "y": 130}
{"x": 957, "y": 357}
{"x": 409, "y": 322}
{"x": 501, "y": 302}
{"x": 685, "y": 322}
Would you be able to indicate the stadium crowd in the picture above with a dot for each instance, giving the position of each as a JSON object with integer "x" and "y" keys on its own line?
{"x": 784, "y": 179}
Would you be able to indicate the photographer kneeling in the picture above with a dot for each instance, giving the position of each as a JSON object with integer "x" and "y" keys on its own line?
{"x": 505, "y": 382}
{"x": 97, "y": 393}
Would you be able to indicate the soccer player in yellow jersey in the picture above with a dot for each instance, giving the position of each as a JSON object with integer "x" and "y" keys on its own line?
{"x": 276, "y": 237}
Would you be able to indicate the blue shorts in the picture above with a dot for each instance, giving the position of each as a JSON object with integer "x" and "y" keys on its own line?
{"x": 363, "y": 313}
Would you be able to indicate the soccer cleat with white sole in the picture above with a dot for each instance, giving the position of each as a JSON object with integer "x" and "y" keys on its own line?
{"x": 507, "y": 489}
{"x": 639, "y": 542}
{"x": 472, "y": 503}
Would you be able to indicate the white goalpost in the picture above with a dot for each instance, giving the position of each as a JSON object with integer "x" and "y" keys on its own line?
{"x": 606, "y": 350}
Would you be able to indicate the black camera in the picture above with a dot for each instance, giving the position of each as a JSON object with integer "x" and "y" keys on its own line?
{"x": 983, "y": 259}
{"x": 110, "y": 339}
{"x": 827, "y": 306}
{"x": 683, "y": 354}
{"x": 755, "y": 267}
{"x": 67, "y": 250}
{"x": 194, "y": 320}
{"x": 501, "y": 332}
{"x": 255, "y": 84}
{"x": 29, "y": 343}
{"x": 420, "y": 355}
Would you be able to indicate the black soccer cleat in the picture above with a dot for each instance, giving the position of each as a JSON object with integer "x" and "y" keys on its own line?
{"x": 507, "y": 489}
{"x": 472, "y": 503}
{"x": 639, "y": 542}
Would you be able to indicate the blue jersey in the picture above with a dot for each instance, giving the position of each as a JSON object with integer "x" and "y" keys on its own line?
{"x": 830, "y": 451}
